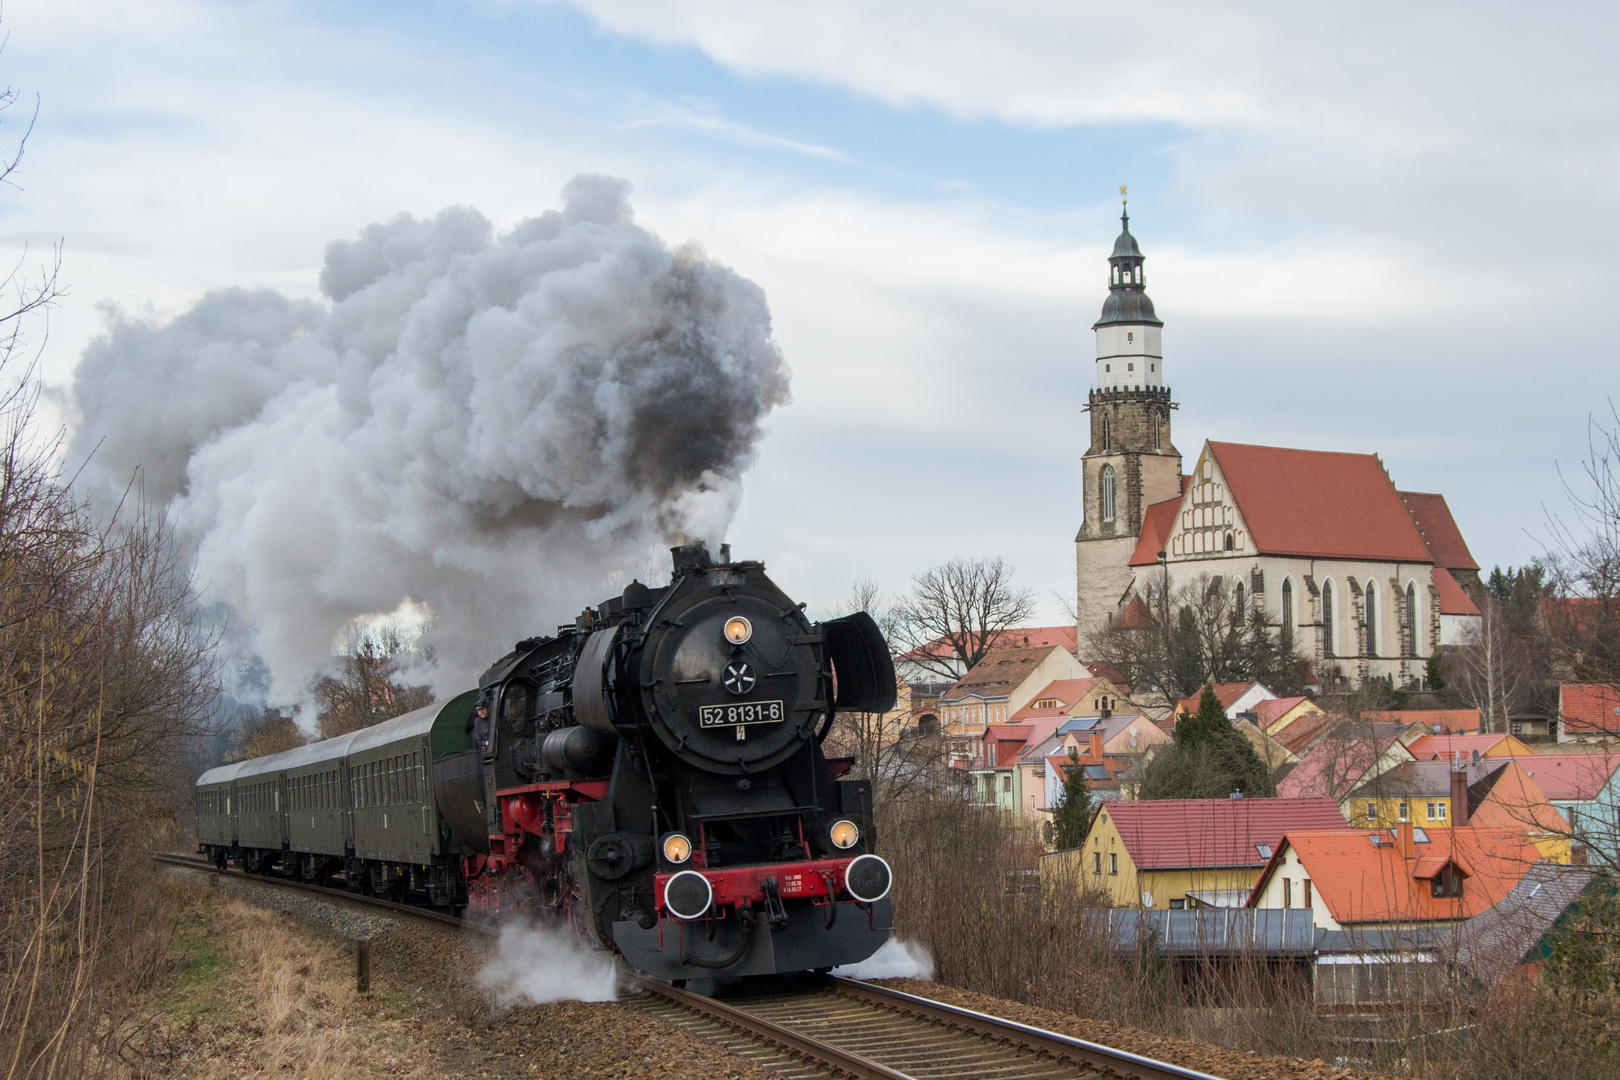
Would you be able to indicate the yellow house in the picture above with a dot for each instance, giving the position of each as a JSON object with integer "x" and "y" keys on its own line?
{"x": 1171, "y": 854}
{"x": 1490, "y": 793}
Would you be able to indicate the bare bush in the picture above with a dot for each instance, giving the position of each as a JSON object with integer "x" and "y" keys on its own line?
{"x": 369, "y": 687}
{"x": 105, "y": 676}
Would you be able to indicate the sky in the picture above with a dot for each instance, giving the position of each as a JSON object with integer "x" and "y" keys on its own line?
{"x": 1371, "y": 228}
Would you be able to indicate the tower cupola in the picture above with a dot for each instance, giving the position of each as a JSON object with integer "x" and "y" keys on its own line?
{"x": 1129, "y": 352}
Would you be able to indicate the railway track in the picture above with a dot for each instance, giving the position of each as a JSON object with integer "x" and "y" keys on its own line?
{"x": 827, "y": 1025}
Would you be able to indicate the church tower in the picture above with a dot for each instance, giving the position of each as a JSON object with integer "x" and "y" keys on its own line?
{"x": 1131, "y": 463}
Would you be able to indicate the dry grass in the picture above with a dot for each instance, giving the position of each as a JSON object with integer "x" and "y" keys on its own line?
{"x": 255, "y": 992}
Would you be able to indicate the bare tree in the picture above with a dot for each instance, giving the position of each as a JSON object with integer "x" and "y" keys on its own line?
{"x": 1583, "y": 619}
{"x": 274, "y": 733}
{"x": 1177, "y": 639}
{"x": 1492, "y": 669}
{"x": 887, "y": 749}
{"x": 367, "y": 690}
{"x": 956, "y": 613}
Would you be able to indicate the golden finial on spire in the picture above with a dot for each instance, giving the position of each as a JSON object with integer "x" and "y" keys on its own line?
{"x": 1122, "y": 193}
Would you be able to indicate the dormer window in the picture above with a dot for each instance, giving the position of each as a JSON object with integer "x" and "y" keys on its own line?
{"x": 1447, "y": 883}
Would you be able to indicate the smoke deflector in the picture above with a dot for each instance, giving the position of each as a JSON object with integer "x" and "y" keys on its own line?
{"x": 861, "y": 663}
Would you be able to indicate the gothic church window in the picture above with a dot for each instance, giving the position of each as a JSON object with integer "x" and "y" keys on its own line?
{"x": 1327, "y": 618}
{"x": 1157, "y": 440}
{"x": 1105, "y": 444}
{"x": 1108, "y": 493}
{"x": 1411, "y": 621}
{"x": 1287, "y": 610}
{"x": 1372, "y": 621}
{"x": 1240, "y": 612}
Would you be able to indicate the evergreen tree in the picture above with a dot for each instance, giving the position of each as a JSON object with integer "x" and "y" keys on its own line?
{"x": 1209, "y": 759}
{"x": 1073, "y": 811}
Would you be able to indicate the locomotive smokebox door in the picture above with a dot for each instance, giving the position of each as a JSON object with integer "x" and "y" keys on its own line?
{"x": 861, "y": 662}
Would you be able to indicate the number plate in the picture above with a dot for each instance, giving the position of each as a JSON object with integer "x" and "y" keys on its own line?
{"x": 744, "y": 712}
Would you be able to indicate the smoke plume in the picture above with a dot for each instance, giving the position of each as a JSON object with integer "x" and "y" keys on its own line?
{"x": 495, "y": 428}
{"x": 538, "y": 964}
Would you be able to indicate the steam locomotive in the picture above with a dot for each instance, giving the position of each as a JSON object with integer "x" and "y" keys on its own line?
{"x": 653, "y": 776}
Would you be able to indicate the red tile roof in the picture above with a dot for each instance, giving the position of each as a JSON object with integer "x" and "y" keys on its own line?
{"x": 1319, "y": 504}
{"x": 1157, "y": 521}
{"x": 1271, "y": 710}
{"x": 1361, "y": 882}
{"x": 1439, "y": 530}
{"x": 1340, "y": 762}
{"x": 1165, "y": 834}
{"x": 1588, "y": 708}
{"x": 1453, "y": 601}
{"x": 1447, "y": 747}
{"x": 1029, "y": 637}
{"x": 999, "y": 672}
{"x": 1299, "y": 735}
{"x": 1451, "y": 721}
{"x": 1134, "y": 614}
{"x": 1226, "y": 693}
{"x": 1571, "y": 777}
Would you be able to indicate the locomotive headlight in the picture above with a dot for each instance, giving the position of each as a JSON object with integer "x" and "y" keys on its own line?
{"x": 677, "y": 848}
{"x": 738, "y": 630}
{"x": 844, "y": 834}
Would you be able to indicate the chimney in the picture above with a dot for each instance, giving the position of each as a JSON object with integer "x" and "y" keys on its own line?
{"x": 1404, "y": 841}
{"x": 1096, "y": 745}
{"x": 1459, "y": 796}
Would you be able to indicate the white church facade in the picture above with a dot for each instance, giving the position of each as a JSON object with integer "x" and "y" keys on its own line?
{"x": 1366, "y": 580}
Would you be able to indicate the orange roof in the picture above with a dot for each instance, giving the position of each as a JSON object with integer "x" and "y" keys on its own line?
{"x": 1589, "y": 707}
{"x": 1451, "y": 721}
{"x": 1157, "y": 521}
{"x": 1067, "y": 691}
{"x": 1439, "y": 530}
{"x": 1453, "y": 601}
{"x": 1571, "y": 777}
{"x": 1319, "y": 504}
{"x": 1447, "y": 747}
{"x": 1509, "y": 798}
{"x": 1361, "y": 881}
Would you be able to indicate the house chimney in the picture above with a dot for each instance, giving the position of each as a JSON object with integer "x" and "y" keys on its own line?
{"x": 1404, "y": 841}
{"x": 1459, "y": 796}
{"x": 1096, "y": 745}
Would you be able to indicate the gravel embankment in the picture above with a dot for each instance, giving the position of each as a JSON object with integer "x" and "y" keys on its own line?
{"x": 1215, "y": 1060}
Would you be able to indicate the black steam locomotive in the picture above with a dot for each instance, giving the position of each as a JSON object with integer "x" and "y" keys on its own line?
{"x": 653, "y": 775}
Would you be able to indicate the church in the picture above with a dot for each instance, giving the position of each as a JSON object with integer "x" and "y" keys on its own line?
{"x": 1366, "y": 580}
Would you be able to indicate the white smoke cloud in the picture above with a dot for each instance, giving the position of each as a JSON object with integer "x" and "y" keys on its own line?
{"x": 485, "y": 427}
{"x": 538, "y": 964}
{"x": 895, "y": 959}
